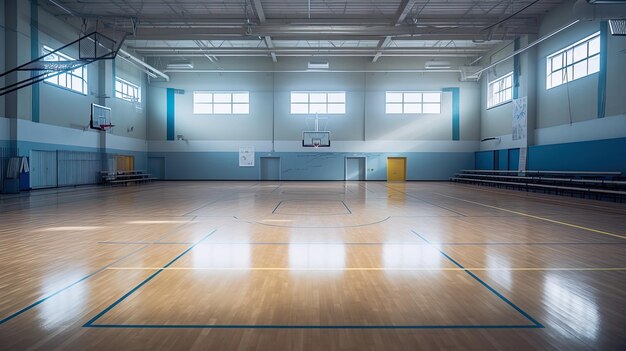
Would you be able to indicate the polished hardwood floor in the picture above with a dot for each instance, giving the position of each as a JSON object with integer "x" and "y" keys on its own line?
{"x": 310, "y": 266}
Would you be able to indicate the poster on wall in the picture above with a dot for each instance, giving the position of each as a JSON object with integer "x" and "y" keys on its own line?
{"x": 520, "y": 118}
{"x": 246, "y": 157}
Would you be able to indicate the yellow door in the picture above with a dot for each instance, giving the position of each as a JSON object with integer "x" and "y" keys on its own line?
{"x": 125, "y": 163}
{"x": 396, "y": 169}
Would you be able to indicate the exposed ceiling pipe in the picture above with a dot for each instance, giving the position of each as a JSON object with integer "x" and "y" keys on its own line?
{"x": 138, "y": 61}
{"x": 515, "y": 53}
{"x": 585, "y": 11}
{"x": 62, "y": 8}
{"x": 309, "y": 71}
{"x": 149, "y": 73}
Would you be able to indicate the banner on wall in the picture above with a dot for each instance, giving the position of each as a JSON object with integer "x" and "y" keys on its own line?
{"x": 520, "y": 118}
{"x": 246, "y": 157}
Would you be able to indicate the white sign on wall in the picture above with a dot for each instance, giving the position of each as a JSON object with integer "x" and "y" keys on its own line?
{"x": 520, "y": 118}
{"x": 246, "y": 157}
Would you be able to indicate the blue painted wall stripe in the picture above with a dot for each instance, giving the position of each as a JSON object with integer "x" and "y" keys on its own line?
{"x": 516, "y": 69}
{"x": 603, "y": 67}
{"x": 595, "y": 155}
{"x": 170, "y": 114}
{"x": 34, "y": 53}
{"x": 112, "y": 78}
{"x": 456, "y": 108}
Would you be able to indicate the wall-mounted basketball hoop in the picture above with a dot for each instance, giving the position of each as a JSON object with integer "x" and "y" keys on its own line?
{"x": 316, "y": 138}
{"x": 100, "y": 118}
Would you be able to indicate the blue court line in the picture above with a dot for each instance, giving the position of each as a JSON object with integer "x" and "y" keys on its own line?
{"x": 281, "y": 326}
{"x": 346, "y": 206}
{"x": 277, "y": 206}
{"x": 535, "y": 322}
{"x": 90, "y": 324}
{"x": 91, "y": 321}
{"x": 38, "y": 302}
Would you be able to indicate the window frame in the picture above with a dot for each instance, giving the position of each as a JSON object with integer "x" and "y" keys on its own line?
{"x": 326, "y": 103}
{"x": 211, "y": 104}
{"x": 567, "y": 66}
{"x": 55, "y": 78}
{"x": 404, "y": 103}
{"x": 125, "y": 96}
{"x": 502, "y": 88}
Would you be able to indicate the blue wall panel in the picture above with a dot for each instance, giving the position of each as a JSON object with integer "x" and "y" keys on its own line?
{"x": 503, "y": 160}
{"x": 483, "y": 160}
{"x": 310, "y": 166}
{"x": 513, "y": 159}
{"x": 597, "y": 155}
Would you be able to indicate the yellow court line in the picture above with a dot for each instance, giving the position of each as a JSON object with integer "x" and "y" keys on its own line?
{"x": 372, "y": 269}
{"x": 537, "y": 217}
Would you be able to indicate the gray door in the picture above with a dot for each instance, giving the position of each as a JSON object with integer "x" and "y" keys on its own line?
{"x": 43, "y": 169}
{"x": 270, "y": 168}
{"x": 355, "y": 168}
{"x": 156, "y": 167}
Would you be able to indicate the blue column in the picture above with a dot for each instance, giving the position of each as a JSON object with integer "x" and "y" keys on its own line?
{"x": 602, "y": 73}
{"x": 34, "y": 53}
{"x": 516, "y": 69}
{"x": 112, "y": 78}
{"x": 170, "y": 114}
{"x": 456, "y": 108}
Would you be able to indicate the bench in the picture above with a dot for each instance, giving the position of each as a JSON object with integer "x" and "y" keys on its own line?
{"x": 592, "y": 183}
{"x": 126, "y": 177}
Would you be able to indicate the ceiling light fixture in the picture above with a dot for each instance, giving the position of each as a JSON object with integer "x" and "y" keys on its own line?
{"x": 313, "y": 65}
{"x": 180, "y": 64}
{"x": 437, "y": 65}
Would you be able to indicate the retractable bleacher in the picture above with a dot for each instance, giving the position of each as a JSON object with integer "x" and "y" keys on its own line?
{"x": 593, "y": 184}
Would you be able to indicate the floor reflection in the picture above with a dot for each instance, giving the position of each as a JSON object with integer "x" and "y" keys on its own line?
{"x": 66, "y": 306}
{"x": 317, "y": 256}
{"x": 407, "y": 256}
{"x": 501, "y": 275}
{"x": 222, "y": 256}
{"x": 578, "y": 312}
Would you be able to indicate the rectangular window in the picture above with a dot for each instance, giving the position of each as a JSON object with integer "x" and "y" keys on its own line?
{"x": 127, "y": 91}
{"x": 221, "y": 103}
{"x": 412, "y": 102}
{"x": 500, "y": 91}
{"x": 575, "y": 61}
{"x": 318, "y": 102}
{"x": 74, "y": 80}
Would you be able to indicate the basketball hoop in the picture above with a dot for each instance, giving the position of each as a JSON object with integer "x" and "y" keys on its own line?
{"x": 316, "y": 143}
{"x": 105, "y": 127}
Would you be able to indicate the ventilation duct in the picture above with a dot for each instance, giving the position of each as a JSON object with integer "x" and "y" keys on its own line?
{"x": 617, "y": 27}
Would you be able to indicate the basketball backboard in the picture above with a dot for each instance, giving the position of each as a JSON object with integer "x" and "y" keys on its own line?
{"x": 100, "y": 117}
{"x": 316, "y": 139}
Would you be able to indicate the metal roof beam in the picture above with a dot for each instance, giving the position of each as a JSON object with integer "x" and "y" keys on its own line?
{"x": 258, "y": 10}
{"x": 270, "y": 46}
{"x": 403, "y": 10}
{"x": 382, "y": 44}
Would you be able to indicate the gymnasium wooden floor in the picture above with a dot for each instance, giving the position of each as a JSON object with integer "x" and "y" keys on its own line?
{"x": 310, "y": 265}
